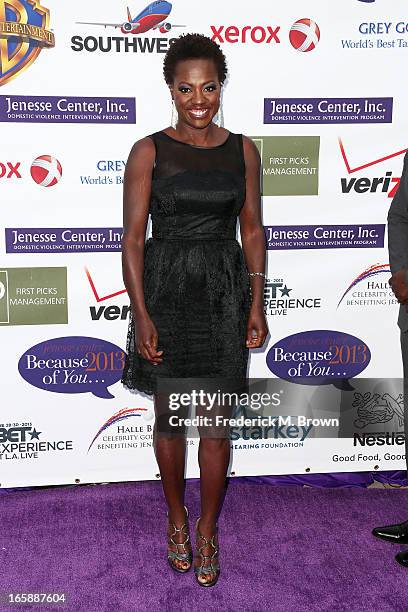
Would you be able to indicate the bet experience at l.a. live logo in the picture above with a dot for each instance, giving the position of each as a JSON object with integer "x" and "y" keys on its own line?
{"x": 22, "y": 441}
{"x": 279, "y": 299}
{"x": 24, "y": 32}
{"x": 290, "y": 164}
{"x": 73, "y": 364}
{"x": 33, "y": 296}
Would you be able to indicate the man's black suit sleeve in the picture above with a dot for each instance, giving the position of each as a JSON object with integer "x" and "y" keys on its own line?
{"x": 398, "y": 224}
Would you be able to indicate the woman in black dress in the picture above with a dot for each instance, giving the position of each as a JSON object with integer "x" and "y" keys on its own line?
{"x": 196, "y": 296}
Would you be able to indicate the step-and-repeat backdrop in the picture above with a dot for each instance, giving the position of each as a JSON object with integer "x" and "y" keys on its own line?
{"x": 319, "y": 86}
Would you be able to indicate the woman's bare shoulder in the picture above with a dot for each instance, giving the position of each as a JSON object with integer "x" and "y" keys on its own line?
{"x": 251, "y": 152}
{"x": 143, "y": 152}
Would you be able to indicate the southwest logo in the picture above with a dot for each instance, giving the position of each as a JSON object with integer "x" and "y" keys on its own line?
{"x": 23, "y": 34}
{"x": 153, "y": 17}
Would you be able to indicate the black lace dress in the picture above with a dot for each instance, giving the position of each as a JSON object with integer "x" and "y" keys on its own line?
{"x": 196, "y": 285}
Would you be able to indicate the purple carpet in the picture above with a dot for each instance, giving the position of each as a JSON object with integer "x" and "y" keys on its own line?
{"x": 282, "y": 549}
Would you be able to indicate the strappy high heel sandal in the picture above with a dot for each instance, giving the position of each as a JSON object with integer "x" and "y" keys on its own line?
{"x": 214, "y": 566}
{"x": 184, "y": 554}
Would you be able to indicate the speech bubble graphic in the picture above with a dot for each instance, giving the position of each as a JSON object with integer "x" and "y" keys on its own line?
{"x": 319, "y": 357}
{"x": 73, "y": 364}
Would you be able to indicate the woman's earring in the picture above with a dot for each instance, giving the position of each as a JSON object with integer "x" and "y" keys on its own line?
{"x": 174, "y": 115}
{"x": 219, "y": 120}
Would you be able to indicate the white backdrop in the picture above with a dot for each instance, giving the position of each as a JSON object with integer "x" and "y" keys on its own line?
{"x": 56, "y": 430}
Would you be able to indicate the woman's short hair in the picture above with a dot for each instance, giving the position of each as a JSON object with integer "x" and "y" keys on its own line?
{"x": 193, "y": 46}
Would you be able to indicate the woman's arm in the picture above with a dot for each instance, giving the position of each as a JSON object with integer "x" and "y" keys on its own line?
{"x": 136, "y": 202}
{"x": 254, "y": 243}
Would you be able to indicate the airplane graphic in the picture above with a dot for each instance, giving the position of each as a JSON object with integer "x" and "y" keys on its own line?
{"x": 153, "y": 17}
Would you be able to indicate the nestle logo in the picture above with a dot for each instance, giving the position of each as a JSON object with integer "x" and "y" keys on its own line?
{"x": 234, "y": 34}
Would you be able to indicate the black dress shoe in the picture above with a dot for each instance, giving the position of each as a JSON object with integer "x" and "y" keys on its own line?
{"x": 402, "y": 558}
{"x": 398, "y": 534}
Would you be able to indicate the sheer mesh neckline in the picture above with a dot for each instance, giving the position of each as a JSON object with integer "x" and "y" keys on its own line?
{"x": 197, "y": 146}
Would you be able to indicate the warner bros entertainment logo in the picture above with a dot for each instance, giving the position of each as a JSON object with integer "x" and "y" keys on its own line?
{"x": 24, "y": 32}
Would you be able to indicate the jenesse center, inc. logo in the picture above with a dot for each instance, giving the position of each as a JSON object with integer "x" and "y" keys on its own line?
{"x": 24, "y": 32}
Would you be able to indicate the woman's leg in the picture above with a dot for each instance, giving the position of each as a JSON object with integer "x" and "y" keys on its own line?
{"x": 170, "y": 451}
{"x": 213, "y": 458}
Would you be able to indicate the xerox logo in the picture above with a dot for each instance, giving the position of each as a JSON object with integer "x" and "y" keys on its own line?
{"x": 386, "y": 183}
{"x": 255, "y": 34}
{"x": 9, "y": 170}
{"x": 304, "y": 35}
{"x": 45, "y": 170}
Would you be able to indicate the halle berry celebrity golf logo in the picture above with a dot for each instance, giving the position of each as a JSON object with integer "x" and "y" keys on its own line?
{"x": 304, "y": 35}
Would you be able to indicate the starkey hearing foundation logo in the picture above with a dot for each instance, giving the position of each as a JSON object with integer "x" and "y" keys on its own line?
{"x": 24, "y": 32}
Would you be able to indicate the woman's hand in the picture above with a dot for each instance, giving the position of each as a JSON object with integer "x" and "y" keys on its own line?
{"x": 147, "y": 339}
{"x": 257, "y": 327}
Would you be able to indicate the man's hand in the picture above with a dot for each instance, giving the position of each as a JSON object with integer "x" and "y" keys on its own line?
{"x": 399, "y": 286}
